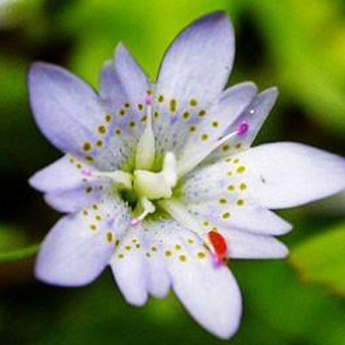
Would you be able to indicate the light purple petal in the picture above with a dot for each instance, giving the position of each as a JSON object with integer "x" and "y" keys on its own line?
{"x": 244, "y": 245}
{"x": 255, "y": 115}
{"x": 65, "y": 173}
{"x": 66, "y": 109}
{"x": 289, "y": 174}
{"x": 123, "y": 81}
{"x": 216, "y": 121}
{"x": 199, "y": 61}
{"x": 220, "y": 194}
{"x": 208, "y": 291}
{"x": 79, "y": 246}
{"x": 191, "y": 78}
{"x": 129, "y": 268}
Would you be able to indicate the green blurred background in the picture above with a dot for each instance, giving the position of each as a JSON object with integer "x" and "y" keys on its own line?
{"x": 298, "y": 46}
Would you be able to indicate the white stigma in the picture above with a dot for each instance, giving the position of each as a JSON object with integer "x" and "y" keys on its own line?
{"x": 159, "y": 185}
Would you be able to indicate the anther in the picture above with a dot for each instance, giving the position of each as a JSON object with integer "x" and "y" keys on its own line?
{"x": 87, "y": 172}
{"x": 242, "y": 129}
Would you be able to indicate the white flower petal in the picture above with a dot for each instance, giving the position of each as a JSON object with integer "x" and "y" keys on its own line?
{"x": 65, "y": 108}
{"x": 290, "y": 174}
{"x": 219, "y": 117}
{"x": 209, "y": 292}
{"x": 244, "y": 245}
{"x": 199, "y": 61}
{"x": 221, "y": 195}
{"x": 158, "y": 280}
{"x": 192, "y": 76}
{"x": 79, "y": 246}
{"x": 255, "y": 115}
{"x": 128, "y": 265}
{"x": 60, "y": 175}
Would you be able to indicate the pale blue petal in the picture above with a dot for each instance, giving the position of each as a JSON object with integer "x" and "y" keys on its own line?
{"x": 79, "y": 246}
{"x": 129, "y": 267}
{"x": 66, "y": 110}
{"x": 255, "y": 115}
{"x": 244, "y": 245}
{"x": 285, "y": 175}
{"x": 65, "y": 173}
{"x": 208, "y": 292}
{"x": 193, "y": 74}
{"x": 221, "y": 194}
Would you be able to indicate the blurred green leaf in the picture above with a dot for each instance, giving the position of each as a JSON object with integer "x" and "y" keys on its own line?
{"x": 321, "y": 259}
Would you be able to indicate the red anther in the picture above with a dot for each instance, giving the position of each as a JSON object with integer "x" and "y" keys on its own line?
{"x": 219, "y": 245}
{"x": 242, "y": 128}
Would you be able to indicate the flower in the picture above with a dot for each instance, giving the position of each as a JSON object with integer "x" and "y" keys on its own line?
{"x": 159, "y": 180}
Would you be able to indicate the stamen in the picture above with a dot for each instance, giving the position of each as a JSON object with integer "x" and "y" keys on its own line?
{"x": 147, "y": 207}
{"x": 87, "y": 172}
{"x": 242, "y": 128}
{"x": 189, "y": 163}
{"x": 219, "y": 246}
{"x": 178, "y": 211}
{"x": 146, "y": 146}
{"x": 119, "y": 177}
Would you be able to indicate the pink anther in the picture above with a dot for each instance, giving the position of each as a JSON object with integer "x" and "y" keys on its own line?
{"x": 148, "y": 99}
{"x": 242, "y": 129}
{"x": 135, "y": 222}
{"x": 87, "y": 172}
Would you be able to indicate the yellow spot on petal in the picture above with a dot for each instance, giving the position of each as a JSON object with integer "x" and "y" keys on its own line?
{"x": 99, "y": 143}
{"x": 107, "y": 117}
{"x": 226, "y": 215}
{"x": 122, "y": 112}
{"x": 121, "y": 256}
{"x": 173, "y": 105}
{"x": 101, "y": 129}
{"x": 87, "y": 147}
{"x": 243, "y": 186}
{"x": 204, "y": 137}
{"x": 161, "y": 99}
{"x": 240, "y": 202}
{"x": 185, "y": 115}
{"x": 177, "y": 247}
{"x": 192, "y": 129}
{"x": 93, "y": 227}
{"x": 89, "y": 159}
{"x": 183, "y": 258}
{"x": 118, "y": 132}
{"x": 225, "y": 148}
{"x": 215, "y": 124}
{"x": 241, "y": 169}
{"x": 128, "y": 248}
{"x": 168, "y": 253}
{"x": 193, "y": 102}
{"x": 140, "y": 107}
{"x": 201, "y": 255}
{"x": 110, "y": 237}
{"x": 222, "y": 201}
{"x": 202, "y": 113}
{"x": 230, "y": 188}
